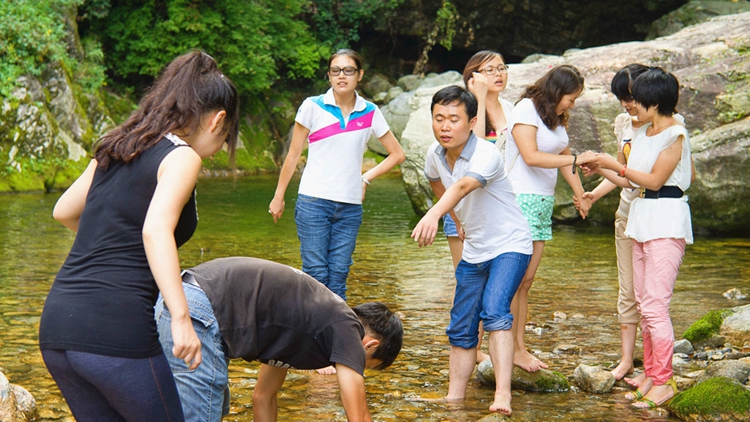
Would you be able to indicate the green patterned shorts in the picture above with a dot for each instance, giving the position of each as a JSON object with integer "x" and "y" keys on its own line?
{"x": 538, "y": 212}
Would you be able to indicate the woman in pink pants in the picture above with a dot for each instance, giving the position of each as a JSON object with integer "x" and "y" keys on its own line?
{"x": 658, "y": 221}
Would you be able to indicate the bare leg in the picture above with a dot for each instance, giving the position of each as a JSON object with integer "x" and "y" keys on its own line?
{"x": 519, "y": 308}
{"x": 461, "y": 367}
{"x": 501, "y": 353}
{"x": 328, "y": 370}
{"x": 270, "y": 380}
{"x": 627, "y": 338}
{"x": 481, "y": 356}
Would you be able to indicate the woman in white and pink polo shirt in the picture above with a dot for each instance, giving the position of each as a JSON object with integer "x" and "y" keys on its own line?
{"x": 336, "y": 127}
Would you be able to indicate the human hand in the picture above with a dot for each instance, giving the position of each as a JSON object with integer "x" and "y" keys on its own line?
{"x": 364, "y": 190}
{"x": 460, "y": 229}
{"x": 187, "y": 346}
{"x": 583, "y": 205}
{"x": 276, "y": 208}
{"x": 478, "y": 86}
{"x": 425, "y": 231}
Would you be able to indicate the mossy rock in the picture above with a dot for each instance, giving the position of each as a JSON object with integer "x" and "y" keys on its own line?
{"x": 716, "y": 399}
{"x": 706, "y": 327}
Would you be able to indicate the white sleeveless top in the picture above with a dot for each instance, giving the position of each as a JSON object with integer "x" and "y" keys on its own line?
{"x": 660, "y": 218}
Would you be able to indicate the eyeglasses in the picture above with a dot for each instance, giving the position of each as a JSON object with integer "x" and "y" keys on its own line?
{"x": 491, "y": 70}
{"x": 627, "y": 98}
{"x": 348, "y": 71}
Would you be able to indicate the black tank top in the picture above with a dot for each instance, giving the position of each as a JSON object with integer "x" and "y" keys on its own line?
{"x": 103, "y": 297}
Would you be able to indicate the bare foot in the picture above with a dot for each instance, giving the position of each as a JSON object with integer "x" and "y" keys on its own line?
{"x": 528, "y": 362}
{"x": 328, "y": 370}
{"x": 622, "y": 369}
{"x": 501, "y": 404}
{"x": 481, "y": 356}
{"x": 644, "y": 389}
{"x": 635, "y": 382}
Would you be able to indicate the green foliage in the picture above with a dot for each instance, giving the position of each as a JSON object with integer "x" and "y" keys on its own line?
{"x": 706, "y": 326}
{"x": 447, "y": 17}
{"x": 32, "y": 33}
{"x": 252, "y": 40}
{"x": 338, "y": 22}
{"x": 713, "y": 397}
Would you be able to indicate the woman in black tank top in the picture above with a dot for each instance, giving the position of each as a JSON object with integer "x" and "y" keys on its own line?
{"x": 132, "y": 208}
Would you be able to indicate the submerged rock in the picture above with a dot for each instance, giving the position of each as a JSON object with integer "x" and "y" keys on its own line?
{"x": 542, "y": 381}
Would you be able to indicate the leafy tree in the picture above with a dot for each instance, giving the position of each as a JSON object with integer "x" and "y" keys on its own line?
{"x": 33, "y": 33}
{"x": 443, "y": 30}
{"x": 253, "y": 41}
{"x": 338, "y": 22}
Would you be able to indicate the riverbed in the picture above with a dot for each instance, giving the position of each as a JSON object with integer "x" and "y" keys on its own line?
{"x": 577, "y": 277}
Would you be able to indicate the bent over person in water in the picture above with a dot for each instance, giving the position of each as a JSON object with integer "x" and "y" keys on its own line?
{"x": 255, "y": 309}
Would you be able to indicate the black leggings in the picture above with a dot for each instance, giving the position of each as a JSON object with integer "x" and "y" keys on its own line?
{"x": 104, "y": 388}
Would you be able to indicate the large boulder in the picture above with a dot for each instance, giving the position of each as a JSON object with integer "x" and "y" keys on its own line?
{"x": 541, "y": 381}
{"x": 716, "y": 399}
{"x": 714, "y": 72}
{"x": 695, "y": 11}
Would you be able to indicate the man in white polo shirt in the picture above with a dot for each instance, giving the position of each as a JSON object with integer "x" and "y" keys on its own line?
{"x": 468, "y": 175}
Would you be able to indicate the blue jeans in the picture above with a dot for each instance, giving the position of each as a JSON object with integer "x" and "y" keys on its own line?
{"x": 484, "y": 292}
{"x": 105, "y": 388}
{"x": 327, "y": 232}
{"x": 203, "y": 391}
{"x": 449, "y": 226}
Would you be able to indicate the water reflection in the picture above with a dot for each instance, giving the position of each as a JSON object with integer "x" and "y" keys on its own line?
{"x": 577, "y": 276}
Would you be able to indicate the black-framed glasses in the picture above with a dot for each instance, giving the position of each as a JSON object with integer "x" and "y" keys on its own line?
{"x": 491, "y": 70}
{"x": 627, "y": 98}
{"x": 348, "y": 71}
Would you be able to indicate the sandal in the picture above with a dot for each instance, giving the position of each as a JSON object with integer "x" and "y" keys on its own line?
{"x": 645, "y": 403}
{"x": 634, "y": 395}
{"x": 642, "y": 390}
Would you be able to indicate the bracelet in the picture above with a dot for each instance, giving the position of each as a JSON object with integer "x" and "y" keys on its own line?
{"x": 364, "y": 179}
{"x": 622, "y": 172}
{"x": 575, "y": 157}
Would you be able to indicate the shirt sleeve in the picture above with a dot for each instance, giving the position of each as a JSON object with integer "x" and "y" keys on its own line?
{"x": 346, "y": 348}
{"x": 674, "y": 133}
{"x": 525, "y": 113}
{"x": 485, "y": 165}
{"x": 379, "y": 125}
{"x": 305, "y": 114}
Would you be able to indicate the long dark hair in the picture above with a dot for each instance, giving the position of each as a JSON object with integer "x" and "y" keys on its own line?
{"x": 473, "y": 66}
{"x": 548, "y": 91}
{"x": 190, "y": 86}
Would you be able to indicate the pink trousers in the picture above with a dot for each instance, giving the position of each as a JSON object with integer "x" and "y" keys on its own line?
{"x": 655, "y": 267}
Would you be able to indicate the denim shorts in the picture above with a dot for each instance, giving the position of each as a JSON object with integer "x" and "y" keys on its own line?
{"x": 484, "y": 292}
{"x": 449, "y": 226}
{"x": 204, "y": 391}
{"x": 538, "y": 212}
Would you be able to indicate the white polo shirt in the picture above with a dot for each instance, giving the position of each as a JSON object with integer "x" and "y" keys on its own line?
{"x": 490, "y": 215}
{"x": 336, "y": 146}
{"x": 528, "y": 179}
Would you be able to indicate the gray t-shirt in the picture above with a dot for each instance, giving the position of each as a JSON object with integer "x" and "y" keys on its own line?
{"x": 279, "y": 315}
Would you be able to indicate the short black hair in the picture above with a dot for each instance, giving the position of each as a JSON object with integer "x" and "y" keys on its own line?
{"x": 456, "y": 94}
{"x": 624, "y": 78}
{"x": 656, "y": 87}
{"x": 386, "y": 327}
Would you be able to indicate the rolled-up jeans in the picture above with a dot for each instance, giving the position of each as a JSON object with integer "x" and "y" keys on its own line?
{"x": 204, "y": 391}
{"x": 327, "y": 232}
{"x": 484, "y": 292}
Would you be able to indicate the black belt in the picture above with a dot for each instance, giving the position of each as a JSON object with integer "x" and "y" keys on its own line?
{"x": 664, "y": 192}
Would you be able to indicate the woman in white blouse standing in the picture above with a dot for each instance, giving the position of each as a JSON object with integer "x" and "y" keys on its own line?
{"x": 658, "y": 221}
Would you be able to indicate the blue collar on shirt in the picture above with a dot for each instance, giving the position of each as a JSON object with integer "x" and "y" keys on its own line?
{"x": 328, "y": 102}
{"x": 466, "y": 153}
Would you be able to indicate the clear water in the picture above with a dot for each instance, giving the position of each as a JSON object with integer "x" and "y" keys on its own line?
{"x": 577, "y": 276}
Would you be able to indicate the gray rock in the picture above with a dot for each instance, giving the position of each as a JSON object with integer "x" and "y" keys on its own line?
{"x": 734, "y": 294}
{"x": 707, "y": 59}
{"x": 692, "y": 13}
{"x": 683, "y": 346}
{"x": 543, "y": 380}
{"x": 380, "y": 97}
{"x": 494, "y": 417}
{"x": 16, "y": 403}
{"x": 733, "y": 369}
{"x": 376, "y": 84}
{"x": 736, "y": 327}
{"x": 393, "y": 93}
{"x": 593, "y": 379}
{"x": 567, "y": 349}
{"x": 410, "y": 82}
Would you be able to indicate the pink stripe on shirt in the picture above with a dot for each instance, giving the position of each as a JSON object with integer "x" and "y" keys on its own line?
{"x": 362, "y": 122}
